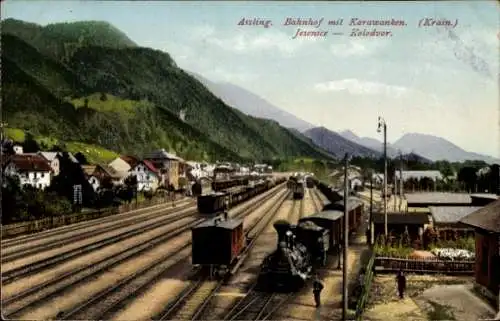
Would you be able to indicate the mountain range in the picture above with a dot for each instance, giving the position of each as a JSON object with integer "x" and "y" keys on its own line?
{"x": 88, "y": 82}
{"x": 251, "y": 104}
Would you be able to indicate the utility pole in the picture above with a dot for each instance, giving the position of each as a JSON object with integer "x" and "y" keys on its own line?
{"x": 382, "y": 124}
{"x": 401, "y": 181}
{"x": 346, "y": 240}
{"x": 394, "y": 188}
{"x": 372, "y": 225}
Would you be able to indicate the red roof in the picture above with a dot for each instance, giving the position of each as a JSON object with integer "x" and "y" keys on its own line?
{"x": 131, "y": 160}
{"x": 150, "y": 166}
{"x": 30, "y": 163}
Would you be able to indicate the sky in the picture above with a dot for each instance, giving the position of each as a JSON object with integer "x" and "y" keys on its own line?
{"x": 437, "y": 80}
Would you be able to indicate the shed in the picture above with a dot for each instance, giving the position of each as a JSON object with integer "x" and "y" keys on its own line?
{"x": 330, "y": 220}
{"x": 450, "y": 216}
{"x": 398, "y": 222}
{"x": 486, "y": 222}
{"x": 217, "y": 241}
{"x": 482, "y": 199}
{"x": 438, "y": 199}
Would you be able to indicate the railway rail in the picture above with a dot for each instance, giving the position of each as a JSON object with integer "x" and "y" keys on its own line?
{"x": 257, "y": 305}
{"x": 108, "y": 299}
{"x": 21, "y": 240}
{"x": 14, "y": 254}
{"x": 25, "y": 270}
{"x": 192, "y": 302}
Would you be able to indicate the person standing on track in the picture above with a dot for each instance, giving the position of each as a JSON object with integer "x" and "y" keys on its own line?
{"x": 317, "y": 288}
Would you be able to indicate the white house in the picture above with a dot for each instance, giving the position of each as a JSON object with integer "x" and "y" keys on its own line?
{"x": 148, "y": 177}
{"x": 353, "y": 182}
{"x": 53, "y": 160}
{"x": 120, "y": 165}
{"x": 433, "y": 175}
{"x": 31, "y": 169}
{"x": 18, "y": 149}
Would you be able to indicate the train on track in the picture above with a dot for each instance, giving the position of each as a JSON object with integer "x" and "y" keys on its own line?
{"x": 303, "y": 247}
{"x": 217, "y": 202}
{"x": 297, "y": 185}
{"x": 217, "y": 243}
{"x": 299, "y": 248}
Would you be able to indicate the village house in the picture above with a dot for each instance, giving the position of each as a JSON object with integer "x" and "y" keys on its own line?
{"x": 96, "y": 174}
{"x": 486, "y": 223}
{"x": 148, "y": 176}
{"x": 169, "y": 167}
{"x": 122, "y": 165}
{"x": 32, "y": 170}
{"x": 53, "y": 160}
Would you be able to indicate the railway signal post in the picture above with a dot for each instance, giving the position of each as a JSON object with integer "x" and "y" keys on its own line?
{"x": 346, "y": 240}
{"x": 383, "y": 125}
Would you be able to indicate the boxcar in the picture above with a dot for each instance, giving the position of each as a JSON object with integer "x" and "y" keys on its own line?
{"x": 217, "y": 242}
{"x": 355, "y": 208}
{"x": 211, "y": 203}
{"x": 331, "y": 221}
{"x": 298, "y": 190}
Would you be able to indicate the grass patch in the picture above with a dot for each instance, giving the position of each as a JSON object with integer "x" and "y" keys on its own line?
{"x": 440, "y": 312}
{"x": 16, "y": 134}
{"x": 93, "y": 153}
{"x": 108, "y": 103}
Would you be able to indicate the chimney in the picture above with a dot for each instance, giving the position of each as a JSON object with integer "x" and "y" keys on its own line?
{"x": 281, "y": 227}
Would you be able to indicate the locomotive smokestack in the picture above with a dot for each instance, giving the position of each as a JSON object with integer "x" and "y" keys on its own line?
{"x": 281, "y": 227}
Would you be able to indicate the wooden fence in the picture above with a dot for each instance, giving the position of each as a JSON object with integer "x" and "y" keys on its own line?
{"x": 15, "y": 229}
{"x": 365, "y": 292}
{"x": 428, "y": 265}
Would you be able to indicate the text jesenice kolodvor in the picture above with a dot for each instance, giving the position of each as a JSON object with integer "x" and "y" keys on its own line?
{"x": 321, "y": 27}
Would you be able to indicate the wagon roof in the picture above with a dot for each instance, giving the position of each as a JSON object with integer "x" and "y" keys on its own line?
{"x": 230, "y": 224}
{"x": 331, "y": 215}
{"x": 486, "y": 218}
{"x": 352, "y": 203}
{"x": 438, "y": 197}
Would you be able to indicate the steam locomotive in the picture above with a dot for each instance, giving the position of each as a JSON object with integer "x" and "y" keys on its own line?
{"x": 300, "y": 248}
{"x": 296, "y": 185}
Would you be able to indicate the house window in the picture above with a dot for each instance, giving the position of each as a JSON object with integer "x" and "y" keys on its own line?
{"x": 42, "y": 175}
{"x": 484, "y": 258}
{"x": 148, "y": 177}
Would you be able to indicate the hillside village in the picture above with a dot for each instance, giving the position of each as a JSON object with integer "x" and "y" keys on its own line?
{"x": 157, "y": 169}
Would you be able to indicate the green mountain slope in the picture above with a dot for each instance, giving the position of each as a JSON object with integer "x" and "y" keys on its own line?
{"x": 48, "y": 72}
{"x": 61, "y": 40}
{"x": 128, "y": 100}
{"x": 143, "y": 73}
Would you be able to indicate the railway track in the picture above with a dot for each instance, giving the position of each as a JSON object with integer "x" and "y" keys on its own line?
{"x": 192, "y": 302}
{"x": 23, "y": 271}
{"x": 109, "y": 300}
{"x": 172, "y": 214}
{"x": 257, "y": 305}
{"x": 21, "y": 240}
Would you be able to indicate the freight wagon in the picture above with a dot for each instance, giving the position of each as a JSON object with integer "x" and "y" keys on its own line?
{"x": 355, "y": 208}
{"x": 217, "y": 243}
{"x": 219, "y": 201}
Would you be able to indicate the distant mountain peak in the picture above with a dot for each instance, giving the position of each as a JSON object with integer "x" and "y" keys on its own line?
{"x": 251, "y": 104}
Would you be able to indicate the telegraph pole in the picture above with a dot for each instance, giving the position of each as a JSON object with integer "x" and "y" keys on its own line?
{"x": 382, "y": 124}
{"x": 395, "y": 189}
{"x": 346, "y": 240}
{"x": 401, "y": 181}
{"x": 372, "y": 225}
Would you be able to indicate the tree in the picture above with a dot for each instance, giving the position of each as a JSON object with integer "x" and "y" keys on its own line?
{"x": 107, "y": 183}
{"x": 30, "y": 145}
{"x": 467, "y": 175}
{"x": 80, "y": 157}
{"x": 103, "y": 96}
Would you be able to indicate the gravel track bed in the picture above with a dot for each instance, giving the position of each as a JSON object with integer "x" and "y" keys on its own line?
{"x": 27, "y": 248}
{"x": 23, "y": 239}
{"x": 75, "y": 296}
{"x": 78, "y": 248}
{"x": 88, "y": 259}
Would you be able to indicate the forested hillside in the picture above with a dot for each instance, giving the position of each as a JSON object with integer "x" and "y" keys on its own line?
{"x": 88, "y": 82}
